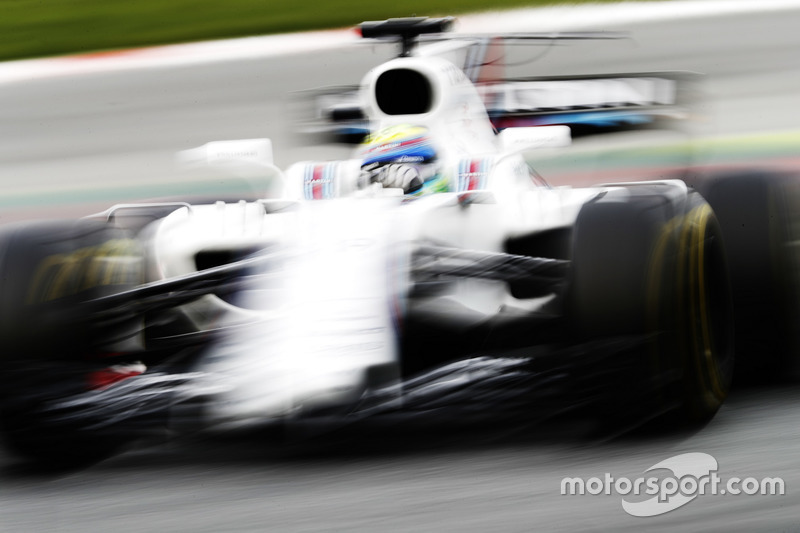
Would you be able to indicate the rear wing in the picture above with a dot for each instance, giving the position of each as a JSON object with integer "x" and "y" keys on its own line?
{"x": 592, "y": 104}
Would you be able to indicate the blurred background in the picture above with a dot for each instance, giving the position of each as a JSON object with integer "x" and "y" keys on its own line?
{"x": 32, "y": 28}
{"x": 79, "y": 132}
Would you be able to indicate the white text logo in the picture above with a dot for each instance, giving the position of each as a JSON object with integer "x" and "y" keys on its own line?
{"x": 692, "y": 475}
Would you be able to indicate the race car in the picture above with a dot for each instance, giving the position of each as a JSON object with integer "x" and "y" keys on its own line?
{"x": 433, "y": 272}
{"x": 586, "y": 103}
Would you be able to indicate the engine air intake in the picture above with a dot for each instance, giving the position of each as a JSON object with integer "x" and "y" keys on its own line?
{"x": 403, "y": 91}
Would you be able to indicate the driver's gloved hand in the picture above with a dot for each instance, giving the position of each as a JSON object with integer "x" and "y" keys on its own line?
{"x": 395, "y": 175}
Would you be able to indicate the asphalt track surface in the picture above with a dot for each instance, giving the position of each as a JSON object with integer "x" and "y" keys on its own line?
{"x": 96, "y": 138}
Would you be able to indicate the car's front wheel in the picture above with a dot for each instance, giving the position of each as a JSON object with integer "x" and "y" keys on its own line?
{"x": 649, "y": 268}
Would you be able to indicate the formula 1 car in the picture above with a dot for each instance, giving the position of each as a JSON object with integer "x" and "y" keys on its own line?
{"x": 434, "y": 271}
{"x": 586, "y": 103}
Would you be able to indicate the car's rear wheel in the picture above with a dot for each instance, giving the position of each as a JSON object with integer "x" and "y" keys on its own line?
{"x": 759, "y": 216}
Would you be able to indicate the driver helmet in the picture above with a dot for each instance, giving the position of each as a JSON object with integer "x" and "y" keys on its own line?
{"x": 402, "y": 156}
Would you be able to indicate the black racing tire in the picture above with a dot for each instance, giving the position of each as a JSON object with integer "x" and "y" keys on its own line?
{"x": 759, "y": 216}
{"x": 47, "y": 269}
{"x": 649, "y": 266}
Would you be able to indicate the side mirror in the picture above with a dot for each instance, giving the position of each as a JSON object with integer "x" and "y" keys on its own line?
{"x": 245, "y": 164}
{"x": 257, "y": 151}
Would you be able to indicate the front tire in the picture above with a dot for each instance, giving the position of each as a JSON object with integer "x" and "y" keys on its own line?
{"x": 47, "y": 270}
{"x": 649, "y": 267}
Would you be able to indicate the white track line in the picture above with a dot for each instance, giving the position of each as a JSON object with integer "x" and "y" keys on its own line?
{"x": 558, "y": 18}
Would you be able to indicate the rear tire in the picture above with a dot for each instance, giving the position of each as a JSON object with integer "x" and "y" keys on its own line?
{"x": 759, "y": 216}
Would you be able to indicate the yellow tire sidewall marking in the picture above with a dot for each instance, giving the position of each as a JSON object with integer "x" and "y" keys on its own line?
{"x": 111, "y": 263}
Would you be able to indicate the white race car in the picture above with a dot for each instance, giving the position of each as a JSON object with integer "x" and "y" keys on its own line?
{"x": 433, "y": 270}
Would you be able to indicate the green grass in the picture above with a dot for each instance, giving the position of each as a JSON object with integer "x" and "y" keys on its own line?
{"x": 33, "y": 28}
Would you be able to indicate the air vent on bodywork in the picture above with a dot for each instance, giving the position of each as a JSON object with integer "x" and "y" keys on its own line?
{"x": 403, "y": 91}
{"x": 205, "y": 259}
{"x": 555, "y": 243}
